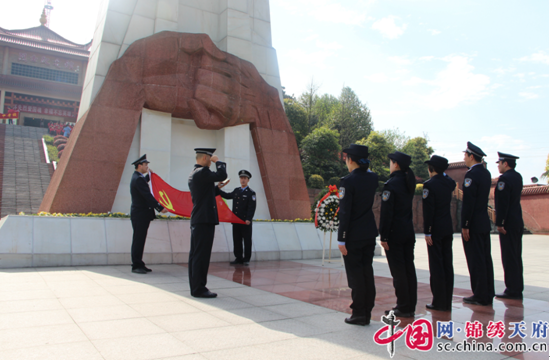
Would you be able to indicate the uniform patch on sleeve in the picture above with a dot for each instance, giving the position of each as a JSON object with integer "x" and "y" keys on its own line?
{"x": 425, "y": 193}
{"x": 386, "y": 195}
{"x": 341, "y": 193}
{"x": 501, "y": 185}
{"x": 253, "y": 197}
{"x": 467, "y": 182}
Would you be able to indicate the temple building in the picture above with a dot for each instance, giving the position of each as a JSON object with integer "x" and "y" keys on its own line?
{"x": 41, "y": 75}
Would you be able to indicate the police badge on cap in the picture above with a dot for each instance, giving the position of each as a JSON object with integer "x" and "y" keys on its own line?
{"x": 245, "y": 173}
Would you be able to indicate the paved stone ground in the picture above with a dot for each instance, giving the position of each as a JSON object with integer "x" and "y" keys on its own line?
{"x": 88, "y": 313}
{"x": 26, "y": 176}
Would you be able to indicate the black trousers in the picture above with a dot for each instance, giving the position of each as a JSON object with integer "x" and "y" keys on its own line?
{"x": 510, "y": 250}
{"x": 401, "y": 262}
{"x": 202, "y": 238}
{"x": 242, "y": 233}
{"x": 360, "y": 276}
{"x": 480, "y": 266}
{"x": 140, "y": 227}
{"x": 440, "y": 256}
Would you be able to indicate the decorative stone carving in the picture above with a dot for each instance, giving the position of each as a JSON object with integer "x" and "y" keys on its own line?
{"x": 187, "y": 76}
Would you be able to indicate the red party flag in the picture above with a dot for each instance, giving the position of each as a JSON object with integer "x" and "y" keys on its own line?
{"x": 180, "y": 203}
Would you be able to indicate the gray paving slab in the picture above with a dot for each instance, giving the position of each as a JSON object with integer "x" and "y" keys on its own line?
{"x": 109, "y": 313}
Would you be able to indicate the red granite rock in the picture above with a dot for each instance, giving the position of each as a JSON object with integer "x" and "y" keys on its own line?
{"x": 188, "y": 76}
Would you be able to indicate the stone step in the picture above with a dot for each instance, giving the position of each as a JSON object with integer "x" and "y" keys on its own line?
{"x": 25, "y": 176}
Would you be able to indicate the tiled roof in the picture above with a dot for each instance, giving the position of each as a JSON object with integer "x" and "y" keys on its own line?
{"x": 534, "y": 190}
{"x": 458, "y": 164}
{"x": 41, "y": 37}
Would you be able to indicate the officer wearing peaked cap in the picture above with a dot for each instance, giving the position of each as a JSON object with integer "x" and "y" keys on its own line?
{"x": 142, "y": 212}
{"x": 244, "y": 206}
{"x": 509, "y": 221}
{"x": 204, "y": 218}
{"x": 476, "y": 227}
{"x": 357, "y": 231}
{"x": 438, "y": 230}
{"x": 397, "y": 232}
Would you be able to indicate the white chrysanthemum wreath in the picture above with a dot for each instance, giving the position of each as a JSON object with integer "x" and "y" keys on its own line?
{"x": 326, "y": 212}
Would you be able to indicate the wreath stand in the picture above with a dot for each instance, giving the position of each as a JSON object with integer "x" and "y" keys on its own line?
{"x": 329, "y": 251}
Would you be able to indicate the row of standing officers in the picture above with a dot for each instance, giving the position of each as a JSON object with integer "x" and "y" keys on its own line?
{"x": 357, "y": 230}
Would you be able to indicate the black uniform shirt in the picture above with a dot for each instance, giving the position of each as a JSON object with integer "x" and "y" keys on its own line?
{"x": 244, "y": 202}
{"x": 477, "y": 185}
{"x": 396, "y": 209}
{"x": 203, "y": 193}
{"x": 436, "y": 205}
{"x": 143, "y": 202}
{"x": 507, "y": 200}
{"x": 357, "y": 224}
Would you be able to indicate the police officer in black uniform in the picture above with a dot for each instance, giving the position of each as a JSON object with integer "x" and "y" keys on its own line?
{"x": 510, "y": 224}
{"x": 476, "y": 228}
{"x": 244, "y": 206}
{"x": 204, "y": 218}
{"x": 438, "y": 231}
{"x": 357, "y": 231}
{"x": 142, "y": 212}
{"x": 397, "y": 232}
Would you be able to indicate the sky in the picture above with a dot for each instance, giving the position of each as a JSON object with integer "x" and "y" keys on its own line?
{"x": 455, "y": 71}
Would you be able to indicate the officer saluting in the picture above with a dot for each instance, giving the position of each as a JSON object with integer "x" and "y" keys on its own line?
{"x": 438, "y": 230}
{"x": 142, "y": 212}
{"x": 357, "y": 231}
{"x": 204, "y": 218}
{"x": 510, "y": 224}
{"x": 476, "y": 228}
{"x": 244, "y": 206}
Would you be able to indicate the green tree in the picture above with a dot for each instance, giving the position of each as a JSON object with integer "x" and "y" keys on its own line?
{"x": 351, "y": 118}
{"x": 397, "y": 138}
{"x": 379, "y": 148}
{"x": 545, "y": 173}
{"x": 419, "y": 151}
{"x": 308, "y": 100}
{"x": 297, "y": 117}
{"x": 319, "y": 151}
{"x": 324, "y": 108}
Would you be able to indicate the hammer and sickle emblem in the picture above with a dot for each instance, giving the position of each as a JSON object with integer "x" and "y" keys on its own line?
{"x": 165, "y": 200}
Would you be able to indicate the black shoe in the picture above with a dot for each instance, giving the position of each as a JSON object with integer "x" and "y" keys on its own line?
{"x": 246, "y": 263}
{"x": 207, "y": 294}
{"x": 147, "y": 269}
{"x": 358, "y": 320}
{"x": 473, "y": 301}
{"x": 398, "y": 313}
{"x": 236, "y": 262}
{"x": 139, "y": 271}
{"x": 508, "y": 296}
{"x": 431, "y": 307}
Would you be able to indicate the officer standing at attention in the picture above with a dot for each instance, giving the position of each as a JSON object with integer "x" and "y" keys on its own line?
{"x": 244, "y": 206}
{"x": 397, "y": 232}
{"x": 510, "y": 225}
{"x": 357, "y": 231}
{"x": 142, "y": 212}
{"x": 476, "y": 228}
{"x": 438, "y": 230}
{"x": 204, "y": 218}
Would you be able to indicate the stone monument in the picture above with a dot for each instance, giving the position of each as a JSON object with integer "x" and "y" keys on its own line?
{"x": 166, "y": 76}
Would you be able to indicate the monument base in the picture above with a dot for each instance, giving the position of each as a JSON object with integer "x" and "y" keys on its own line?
{"x": 40, "y": 241}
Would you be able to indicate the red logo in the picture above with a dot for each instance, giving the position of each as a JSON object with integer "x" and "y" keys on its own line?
{"x": 418, "y": 335}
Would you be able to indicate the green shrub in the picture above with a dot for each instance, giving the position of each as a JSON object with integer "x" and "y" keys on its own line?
{"x": 48, "y": 139}
{"x": 316, "y": 182}
{"x": 335, "y": 180}
{"x": 52, "y": 153}
{"x": 419, "y": 189}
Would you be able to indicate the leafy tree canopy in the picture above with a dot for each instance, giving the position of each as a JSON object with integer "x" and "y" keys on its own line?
{"x": 319, "y": 152}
